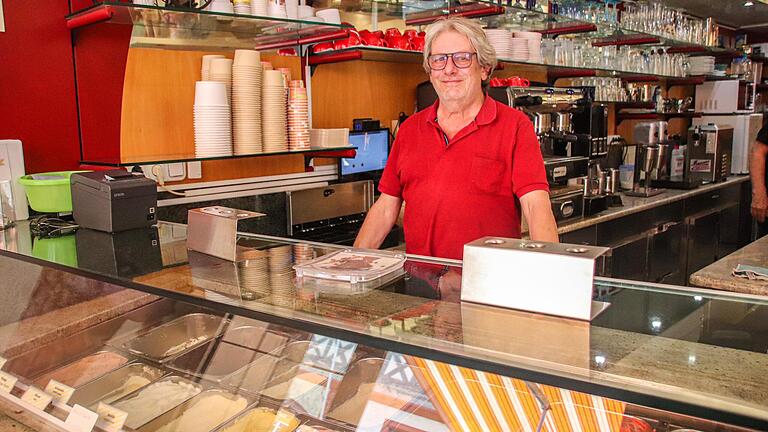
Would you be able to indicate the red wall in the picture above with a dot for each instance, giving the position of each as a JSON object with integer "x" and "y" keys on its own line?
{"x": 37, "y": 84}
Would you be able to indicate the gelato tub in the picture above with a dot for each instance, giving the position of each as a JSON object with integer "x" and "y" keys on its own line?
{"x": 176, "y": 336}
{"x": 203, "y": 413}
{"x": 263, "y": 420}
{"x": 214, "y": 360}
{"x": 115, "y": 385}
{"x": 81, "y": 371}
{"x": 156, "y": 399}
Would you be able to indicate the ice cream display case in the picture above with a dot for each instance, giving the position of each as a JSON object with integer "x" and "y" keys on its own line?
{"x": 201, "y": 344}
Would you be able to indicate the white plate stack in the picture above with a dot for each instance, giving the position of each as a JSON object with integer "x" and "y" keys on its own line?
{"x": 253, "y": 274}
{"x": 212, "y": 120}
{"x": 242, "y": 7}
{"x": 259, "y": 7}
{"x": 221, "y": 71}
{"x": 534, "y": 45}
{"x": 298, "y": 117}
{"x": 273, "y": 115}
{"x": 500, "y": 40}
{"x": 222, "y": 6}
{"x": 246, "y": 102}
{"x": 518, "y": 49}
{"x": 704, "y": 65}
{"x": 205, "y": 71}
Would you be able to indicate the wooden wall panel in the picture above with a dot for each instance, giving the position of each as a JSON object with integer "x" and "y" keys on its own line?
{"x": 158, "y": 95}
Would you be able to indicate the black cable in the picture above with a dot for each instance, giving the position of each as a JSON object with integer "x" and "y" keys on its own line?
{"x": 51, "y": 226}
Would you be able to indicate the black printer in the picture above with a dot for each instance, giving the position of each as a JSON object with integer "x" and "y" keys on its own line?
{"x": 113, "y": 201}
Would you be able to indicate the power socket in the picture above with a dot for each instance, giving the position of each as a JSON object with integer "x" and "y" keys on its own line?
{"x": 195, "y": 170}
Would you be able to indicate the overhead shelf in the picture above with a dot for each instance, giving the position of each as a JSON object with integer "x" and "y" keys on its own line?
{"x": 164, "y": 25}
{"x": 334, "y": 152}
{"x": 621, "y": 116}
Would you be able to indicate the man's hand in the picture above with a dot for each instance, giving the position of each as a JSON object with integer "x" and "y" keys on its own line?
{"x": 759, "y": 206}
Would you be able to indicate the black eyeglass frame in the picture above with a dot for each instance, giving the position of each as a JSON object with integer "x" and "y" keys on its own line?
{"x": 452, "y": 56}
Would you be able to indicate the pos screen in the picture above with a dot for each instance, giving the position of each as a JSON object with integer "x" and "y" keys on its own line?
{"x": 371, "y": 157}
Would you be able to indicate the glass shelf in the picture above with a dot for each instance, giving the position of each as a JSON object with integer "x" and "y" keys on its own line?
{"x": 187, "y": 25}
{"x": 370, "y": 53}
{"x": 187, "y": 157}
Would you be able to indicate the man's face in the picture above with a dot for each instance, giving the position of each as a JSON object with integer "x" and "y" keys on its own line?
{"x": 454, "y": 83}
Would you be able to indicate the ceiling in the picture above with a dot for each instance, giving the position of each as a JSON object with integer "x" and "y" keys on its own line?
{"x": 731, "y": 13}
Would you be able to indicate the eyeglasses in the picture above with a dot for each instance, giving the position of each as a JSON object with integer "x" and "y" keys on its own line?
{"x": 461, "y": 60}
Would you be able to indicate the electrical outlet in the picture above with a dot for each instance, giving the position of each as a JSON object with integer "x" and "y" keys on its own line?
{"x": 175, "y": 171}
{"x": 194, "y": 170}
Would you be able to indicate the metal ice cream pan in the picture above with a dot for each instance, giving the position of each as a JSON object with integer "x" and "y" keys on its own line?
{"x": 105, "y": 389}
{"x": 136, "y": 394}
{"x": 177, "y": 336}
{"x": 214, "y": 360}
{"x": 176, "y": 413}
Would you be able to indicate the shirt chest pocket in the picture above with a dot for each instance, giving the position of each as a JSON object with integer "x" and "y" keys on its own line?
{"x": 490, "y": 176}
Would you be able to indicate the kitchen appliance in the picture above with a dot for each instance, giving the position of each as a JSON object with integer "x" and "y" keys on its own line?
{"x": 590, "y": 125}
{"x": 12, "y": 169}
{"x": 567, "y": 202}
{"x": 113, "y": 201}
{"x": 332, "y": 214}
{"x": 745, "y": 128}
{"x": 725, "y": 97}
{"x": 650, "y": 161}
{"x": 489, "y": 262}
{"x": 126, "y": 254}
{"x": 676, "y": 174}
{"x": 646, "y": 133}
{"x": 710, "y": 148}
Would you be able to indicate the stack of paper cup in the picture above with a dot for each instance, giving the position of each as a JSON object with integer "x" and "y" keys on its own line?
{"x": 298, "y": 117}
{"x": 253, "y": 274}
{"x": 221, "y": 71}
{"x": 212, "y": 120}
{"x": 286, "y": 73}
{"x": 331, "y": 16}
{"x": 273, "y": 103}
{"x": 205, "y": 72}
{"x": 259, "y": 7}
{"x": 246, "y": 102}
{"x": 266, "y": 65}
{"x": 242, "y": 7}
{"x": 222, "y": 6}
{"x": 534, "y": 45}
{"x": 276, "y": 9}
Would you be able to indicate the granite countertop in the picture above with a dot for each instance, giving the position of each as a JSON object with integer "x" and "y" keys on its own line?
{"x": 718, "y": 275}
{"x": 637, "y": 204}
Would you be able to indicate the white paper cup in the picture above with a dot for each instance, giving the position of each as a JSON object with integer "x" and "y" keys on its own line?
{"x": 306, "y": 11}
{"x": 210, "y": 93}
{"x": 330, "y": 15}
{"x": 220, "y": 67}
{"x": 292, "y": 8}
{"x": 247, "y": 58}
{"x": 273, "y": 78}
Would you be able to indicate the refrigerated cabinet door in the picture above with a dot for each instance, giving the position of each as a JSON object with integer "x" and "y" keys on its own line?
{"x": 629, "y": 258}
{"x": 703, "y": 233}
{"x": 665, "y": 255}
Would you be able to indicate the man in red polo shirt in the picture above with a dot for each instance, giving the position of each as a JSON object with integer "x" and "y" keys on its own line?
{"x": 465, "y": 166}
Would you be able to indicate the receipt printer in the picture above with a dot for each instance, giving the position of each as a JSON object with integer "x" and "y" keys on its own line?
{"x": 113, "y": 201}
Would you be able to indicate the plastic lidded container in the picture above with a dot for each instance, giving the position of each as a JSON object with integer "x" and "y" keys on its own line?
{"x": 352, "y": 265}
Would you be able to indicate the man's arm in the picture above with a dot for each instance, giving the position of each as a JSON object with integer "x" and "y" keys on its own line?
{"x": 538, "y": 212}
{"x": 757, "y": 173}
{"x": 379, "y": 222}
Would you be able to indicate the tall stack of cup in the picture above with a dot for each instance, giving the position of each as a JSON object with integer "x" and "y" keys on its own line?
{"x": 212, "y": 120}
{"x": 298, "y": 117}
{"x": 221, "y": 71}
{"x": 273, "y": 103}
{"x": 205, "y": 71}
{"x": 242, "y": 7}
{"x": 246, "y": 102}
{"x": 259, "y": 7}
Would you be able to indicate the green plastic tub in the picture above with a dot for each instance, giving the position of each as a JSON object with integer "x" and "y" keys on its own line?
{"x": 49, "y": 192}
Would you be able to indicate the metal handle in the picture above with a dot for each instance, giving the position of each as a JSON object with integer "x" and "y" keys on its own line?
{"x": 665, "y": 227}
{"x": 567, "y": 209}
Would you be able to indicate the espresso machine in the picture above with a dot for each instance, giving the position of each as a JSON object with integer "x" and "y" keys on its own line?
{"x": 551, "y": 111}
{"x": 651, "y": 157}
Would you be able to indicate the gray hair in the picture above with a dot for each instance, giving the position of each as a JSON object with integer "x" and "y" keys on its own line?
{"x": 486, "y": 55}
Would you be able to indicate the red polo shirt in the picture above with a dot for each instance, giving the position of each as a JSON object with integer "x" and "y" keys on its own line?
{"x": 469, "y": 188}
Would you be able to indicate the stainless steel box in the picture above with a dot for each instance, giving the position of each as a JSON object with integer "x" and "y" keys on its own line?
{"x": 550, "y": 278}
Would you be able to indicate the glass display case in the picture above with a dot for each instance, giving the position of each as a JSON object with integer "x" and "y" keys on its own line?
{"x": 137, "y": 328}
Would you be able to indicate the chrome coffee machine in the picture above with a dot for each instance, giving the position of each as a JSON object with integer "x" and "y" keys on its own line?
{"x": 710, "y": 150}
